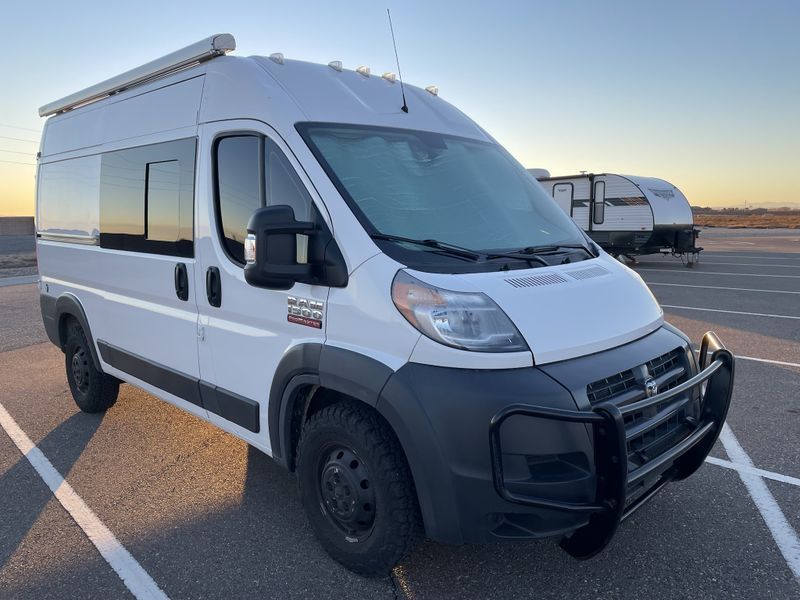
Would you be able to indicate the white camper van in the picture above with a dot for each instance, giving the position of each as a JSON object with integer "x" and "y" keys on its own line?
{"x": 371, "y": 291}
{"x": 626, "y": 214}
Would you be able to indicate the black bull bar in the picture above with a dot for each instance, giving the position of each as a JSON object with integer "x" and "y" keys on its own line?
{"x": 609, "y": 508}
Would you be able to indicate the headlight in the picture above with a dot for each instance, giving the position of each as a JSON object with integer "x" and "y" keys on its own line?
{"x": 465, "y": 320}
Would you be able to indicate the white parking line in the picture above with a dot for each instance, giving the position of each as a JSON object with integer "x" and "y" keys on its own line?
{"x": 737, "y": 255}
{"x": 782, "y": 532}
{"x": 753, "y": 471}
{"x": 135, "y": 578}
{"x": 731, "y": 312}
{"x": 696, "y": 272}
{"x": 771, "y": 362}
{"x": 21, "y": 280}
{"x": 727, "y": 241}
{"x": 753, "y": 358}
{"x": 736, "y": 264}
{"x": 716, "y": 287}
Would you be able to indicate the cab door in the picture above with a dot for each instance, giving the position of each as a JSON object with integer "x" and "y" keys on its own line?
{"x": 244, "y": 330}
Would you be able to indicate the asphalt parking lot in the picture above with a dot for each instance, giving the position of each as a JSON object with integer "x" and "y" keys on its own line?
{"x": 205, "y": 516}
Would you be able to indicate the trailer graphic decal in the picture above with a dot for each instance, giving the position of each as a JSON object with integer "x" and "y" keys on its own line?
{"x": 662, "y": 193}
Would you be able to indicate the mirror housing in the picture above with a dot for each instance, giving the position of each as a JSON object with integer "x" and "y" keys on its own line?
{"x": 271, "y": 251}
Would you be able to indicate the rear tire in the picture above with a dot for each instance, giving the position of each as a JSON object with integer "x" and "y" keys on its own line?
{"x": 357, "y": 489}
{"x": 92, "y": 390}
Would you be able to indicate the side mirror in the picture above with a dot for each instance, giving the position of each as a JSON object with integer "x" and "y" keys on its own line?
{"x": 281, "y": 251}
{"x": 271, "y": 249}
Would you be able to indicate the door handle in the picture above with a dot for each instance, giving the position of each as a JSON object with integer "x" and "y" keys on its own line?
{"x": 213, "y": 287}
{"x": 181, "y": 282}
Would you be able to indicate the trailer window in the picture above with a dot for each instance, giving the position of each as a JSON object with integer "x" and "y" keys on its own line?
{"x": 599, "y": 210}
{"x": 253, "y": 172}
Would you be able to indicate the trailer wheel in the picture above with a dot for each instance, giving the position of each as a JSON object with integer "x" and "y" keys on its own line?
{"x": 357, "y": 489}
{"x": 691, "y": 259}
{"x": 92, "y": 390}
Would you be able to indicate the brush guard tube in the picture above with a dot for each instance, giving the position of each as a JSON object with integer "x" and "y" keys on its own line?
{"x": 608, "y": 510}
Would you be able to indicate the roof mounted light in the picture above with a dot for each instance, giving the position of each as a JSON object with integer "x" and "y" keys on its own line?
{"x": 211, "y": 47}
{"x": 336, "y": 65}
{"x": 390, "y": 77}
{"x": 276, "y": 57}
{"x": 363, "y": 70}
{"x": 432, "y": 89}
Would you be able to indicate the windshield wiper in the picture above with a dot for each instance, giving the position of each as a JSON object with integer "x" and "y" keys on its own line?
{"x": 555, "y": 248}
{"x": 530, "y": 257}
{"x": 430, "y": 243}
{"x": 460, "y": 251}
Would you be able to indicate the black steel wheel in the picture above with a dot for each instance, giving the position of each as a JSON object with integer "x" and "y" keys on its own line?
{"x": 346, "y": 495}
{"x": 357, "y": 489}
{"x": 92, "y": 390}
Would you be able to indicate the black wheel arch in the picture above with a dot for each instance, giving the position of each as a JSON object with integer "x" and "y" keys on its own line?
{"x": 310, "y": 367}
{"x": 55, "y": 314}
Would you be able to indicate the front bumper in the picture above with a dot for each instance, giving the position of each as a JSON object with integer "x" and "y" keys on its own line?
{"x": 556, "y": 465}
{"x": 609, "y": 507}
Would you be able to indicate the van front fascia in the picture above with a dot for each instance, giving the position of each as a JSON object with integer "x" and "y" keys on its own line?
{"x": 536, "y": 464}
{"x": 610, "y": 436}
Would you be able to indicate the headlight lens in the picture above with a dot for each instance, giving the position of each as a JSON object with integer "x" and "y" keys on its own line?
{"x": 465, "y": 320}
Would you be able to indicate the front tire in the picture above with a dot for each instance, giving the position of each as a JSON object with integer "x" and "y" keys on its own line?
{"x": 92, "y": 390}
{"x": 357, "y": 489}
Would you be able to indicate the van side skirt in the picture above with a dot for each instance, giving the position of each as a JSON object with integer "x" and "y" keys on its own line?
{"x": 228, "y": 405}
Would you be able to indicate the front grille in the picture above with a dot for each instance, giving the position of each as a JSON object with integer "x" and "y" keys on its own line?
{"x": 628, "y": 386}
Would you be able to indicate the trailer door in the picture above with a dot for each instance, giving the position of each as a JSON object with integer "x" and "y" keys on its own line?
{"x": 562, "y": 192}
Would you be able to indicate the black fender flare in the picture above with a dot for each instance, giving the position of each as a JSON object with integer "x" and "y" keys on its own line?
{"x": 68, "y": 305}
{"x": 314, "y": 364}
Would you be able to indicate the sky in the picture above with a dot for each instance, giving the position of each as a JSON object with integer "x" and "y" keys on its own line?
{"x": 704, "y": 94}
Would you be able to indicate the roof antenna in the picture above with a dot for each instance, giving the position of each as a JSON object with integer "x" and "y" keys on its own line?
{"x": 404, "y": 108}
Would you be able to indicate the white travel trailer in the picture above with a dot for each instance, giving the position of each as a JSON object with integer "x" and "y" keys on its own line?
{"x": 364, "y": 285}
{"x": 626, "y": 214}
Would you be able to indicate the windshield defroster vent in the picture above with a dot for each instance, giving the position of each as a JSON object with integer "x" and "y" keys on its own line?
{"x": 589, "y": 272}
{"x": 536, "y": 280}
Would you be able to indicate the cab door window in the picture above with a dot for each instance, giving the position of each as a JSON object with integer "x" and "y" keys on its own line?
{"x": 252, "y": 172}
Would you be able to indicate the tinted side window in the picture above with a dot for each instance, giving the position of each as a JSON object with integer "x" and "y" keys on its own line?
{"x": 68, "y": 193}
{"x": 253, "y": 172}
{"x": 239, "y": 189}
{"x": 147, "y": 198}
{"x": 283, "y": 184}
{"x": 163, "y": 201}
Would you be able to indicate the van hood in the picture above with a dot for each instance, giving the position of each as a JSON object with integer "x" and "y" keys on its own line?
{"x": 567, "y": 311}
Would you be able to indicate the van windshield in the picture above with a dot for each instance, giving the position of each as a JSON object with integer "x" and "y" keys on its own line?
{"x": 429, "y": 186}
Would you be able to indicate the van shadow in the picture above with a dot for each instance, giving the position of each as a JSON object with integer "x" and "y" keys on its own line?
{"x": 258, "y": 544}
{"x": 25, "y": 495}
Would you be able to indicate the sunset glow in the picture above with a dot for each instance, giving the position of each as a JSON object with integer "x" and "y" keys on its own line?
{"x": 704, "y": 95}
